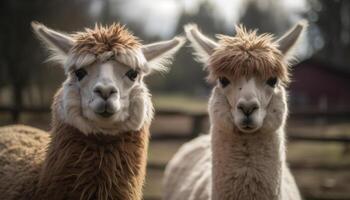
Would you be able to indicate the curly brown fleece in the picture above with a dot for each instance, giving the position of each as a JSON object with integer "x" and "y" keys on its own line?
{"x": 75, "y": 166}
{"x": 247, "y": 54}
{"x": 102, "y": 39}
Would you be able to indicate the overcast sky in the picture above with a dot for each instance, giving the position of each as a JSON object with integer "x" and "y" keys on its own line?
{"x": 160, "y": 17}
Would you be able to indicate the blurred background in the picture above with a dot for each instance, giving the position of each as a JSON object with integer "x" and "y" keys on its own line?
{"x": 319, "y": 123}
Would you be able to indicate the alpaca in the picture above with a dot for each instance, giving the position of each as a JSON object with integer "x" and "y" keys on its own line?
{"x": 97, "y": 147}
{"x": 243, "y": 157}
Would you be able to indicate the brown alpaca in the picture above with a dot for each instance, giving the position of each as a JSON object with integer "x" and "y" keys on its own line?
{"x": 98, "y": 144}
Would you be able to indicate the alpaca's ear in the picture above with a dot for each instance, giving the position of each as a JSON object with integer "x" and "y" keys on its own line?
{"x": 160, "y": 54}
{"x": 290, "y": 39}
{"x": 202, "y": 45}
{"x": 58, "y": 43}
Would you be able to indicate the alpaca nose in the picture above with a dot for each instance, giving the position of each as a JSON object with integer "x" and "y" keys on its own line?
{"x": 248, "y": 107}
{"x": 105, "y": 91}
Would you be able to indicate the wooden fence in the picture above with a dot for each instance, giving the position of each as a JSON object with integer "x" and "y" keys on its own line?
{"x": 197, "y": 120}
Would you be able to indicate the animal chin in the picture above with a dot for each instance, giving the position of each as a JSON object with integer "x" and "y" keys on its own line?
{"x": 108, "y": 117}
{"x": 247, "y": 128}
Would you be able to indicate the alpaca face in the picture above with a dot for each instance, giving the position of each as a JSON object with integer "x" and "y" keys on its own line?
{"x": 105, "y": 66}
{"x": 105, "y": 90}
{"x": 106, "y": 97}
{"x": 251, "y": 71}
{"x": 248, "y": 100}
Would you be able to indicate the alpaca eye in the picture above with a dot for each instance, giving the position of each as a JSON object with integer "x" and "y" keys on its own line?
{"x": 80, "y": 73}
{"x": 224, "y": 81}
{"x": 271, "y": 81}
{"x": 132, "y": 74}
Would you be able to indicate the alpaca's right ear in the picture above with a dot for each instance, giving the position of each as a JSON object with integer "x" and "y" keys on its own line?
{"x": 288, "y": 42}
{"x": 202, "y": 45}
{"x": 159, "y": 54}
{"x": 58, "y": 43}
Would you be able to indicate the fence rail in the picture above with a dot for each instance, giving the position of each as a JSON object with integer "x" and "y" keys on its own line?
{"x": 196, "y": 128}
{"x": 199, "y": 117}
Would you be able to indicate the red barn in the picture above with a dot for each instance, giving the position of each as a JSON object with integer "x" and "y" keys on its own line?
{"x": 320, "y": 86}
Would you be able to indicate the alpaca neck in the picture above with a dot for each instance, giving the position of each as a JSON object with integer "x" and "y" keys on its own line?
{"x": 246, "y": 166}
{"x": 81, "y": 166}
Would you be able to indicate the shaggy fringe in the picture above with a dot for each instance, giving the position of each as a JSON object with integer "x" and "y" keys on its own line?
{"x": 101, "y": 43}
{"x": 248, "y": 54}
{"x": 114, "y": 40}
{"x": 105, "y": 38}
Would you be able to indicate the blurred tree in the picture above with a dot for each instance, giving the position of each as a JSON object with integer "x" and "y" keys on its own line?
{"x": 267, "y": 16}
{"x": 19, "y": 50}
{"x": 187, "y": 75}
{"x": 333, "y": 20}
{"x": 21, "y": 56}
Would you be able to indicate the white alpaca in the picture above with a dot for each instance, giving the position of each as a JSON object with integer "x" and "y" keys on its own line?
{"x": 98, "y": 144}
{"x": 243, "y": 157}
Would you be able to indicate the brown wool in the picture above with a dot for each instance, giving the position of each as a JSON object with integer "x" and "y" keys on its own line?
{"x": 104, "y": 38}
{"x": 76, "y": 165}
{"x": 93, "y": 166}
{"x": 247, "y": 54}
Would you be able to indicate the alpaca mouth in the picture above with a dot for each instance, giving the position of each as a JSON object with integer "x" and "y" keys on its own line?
{"x": 247, "y": 128}
{"x": 247, "y": 124}
{"x": 106, "y": 114}
{"x": 105, "y": 109}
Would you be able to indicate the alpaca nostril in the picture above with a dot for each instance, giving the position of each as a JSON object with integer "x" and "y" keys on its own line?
{"x": 254, "y": 108}
{"x": 98, "y": 91}
{"x": 247, "y": 109}
{"x": 241, "y": 107}
{"x": 113, "y": 91}
{"x": 105, "y": 91}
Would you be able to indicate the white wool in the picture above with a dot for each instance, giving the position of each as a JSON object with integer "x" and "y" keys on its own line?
{"x": 180, "y": 181}
{"x": 230, "y": 164}
{"x": 193, "y": 170}
{"x": 140, "y": 112}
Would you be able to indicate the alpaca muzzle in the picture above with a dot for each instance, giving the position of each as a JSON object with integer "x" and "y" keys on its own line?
{"x": 107, "y": 108}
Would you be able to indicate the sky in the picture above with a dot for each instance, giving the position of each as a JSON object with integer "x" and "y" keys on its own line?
{"x": 160, "y": 17}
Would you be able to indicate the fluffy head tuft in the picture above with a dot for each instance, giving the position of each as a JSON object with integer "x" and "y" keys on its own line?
{"x": 247, "y": 54}
{"x": 105, "y": 38}
{"x": 103, "y": 43}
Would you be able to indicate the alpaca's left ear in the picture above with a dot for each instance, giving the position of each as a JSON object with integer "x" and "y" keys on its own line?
{"x": 290, "y": 39}
{"x": 160, "y": 54}
{"x": 202, "y": 45}
{"x": 58, "y": 43}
